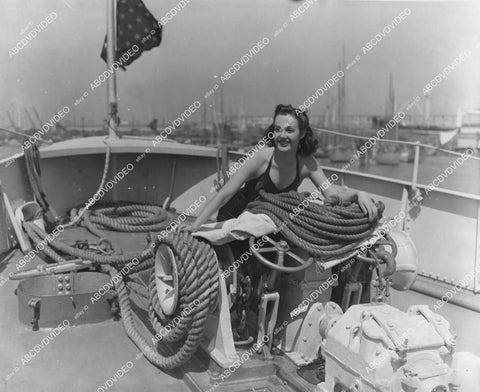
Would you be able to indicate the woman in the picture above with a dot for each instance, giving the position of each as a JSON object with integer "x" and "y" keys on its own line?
{"x": 280, "y": 167}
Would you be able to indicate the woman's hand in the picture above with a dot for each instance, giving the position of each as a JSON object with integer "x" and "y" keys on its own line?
{"x": 367, "y": 205}
{"x": 190, "y": 228}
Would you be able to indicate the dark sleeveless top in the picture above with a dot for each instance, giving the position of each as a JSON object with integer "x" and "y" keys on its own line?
{"x": 251, "y": 191}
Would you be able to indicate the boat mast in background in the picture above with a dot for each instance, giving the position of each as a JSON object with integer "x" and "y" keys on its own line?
{"x": 12, "y": 121}
{"x": 32, "y": 123}
{"x": 37, "y": 115}
{"x": 426, "y": 111}
{"x": 392, "y": 104}
{"x": 341, "y": 95}
{"x": 112, "y": 106}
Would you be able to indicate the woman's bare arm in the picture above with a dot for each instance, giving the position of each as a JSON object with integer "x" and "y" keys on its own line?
{"x": 325, "y": 185}
{"x": 245, "y": 173}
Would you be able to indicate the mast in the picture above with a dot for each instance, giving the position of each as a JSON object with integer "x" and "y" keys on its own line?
{"x": 426, "y": 111}
{"x": 343, "y": 84}
{"x": 204, "y": 115}
{"x": 212, "y": 117}
{"x": 340, "y": 103}
{"x": 391, "y": 98}
{"x": 222, "y": 117}
{"x": 112, "y": 106}
{"x": 222, "y": 142}
{"x": 30, "y": 119}
{"x": 12, "y": 122}
{"x": 392, "y": 104}
{"x": 341, "y": 94}
{"x": 242, "y": 126}
{"x": 37, "y": 115}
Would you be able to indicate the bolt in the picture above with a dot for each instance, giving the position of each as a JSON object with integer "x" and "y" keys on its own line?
{"x": 60, "y": 278}
{"x": 67, "y": 286}
{"x": 67, "y": 278}
{"x": 60, "y": 287}
{"x": 310, "y": 324}
{"x": 304, "y": 339}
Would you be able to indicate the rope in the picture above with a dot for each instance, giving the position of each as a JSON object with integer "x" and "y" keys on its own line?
{"x": 36, "y": 233}
{"x": 75, "y": 218}
{"x": 326, "y": 231}
{"x": 32, "y": 163}
{"x": 133, "y": 218}
{"x": 197, "y": 273}
{"x": 198, "y": 281}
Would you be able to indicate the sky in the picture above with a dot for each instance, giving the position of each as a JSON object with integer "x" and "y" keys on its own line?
{"x": 207, "y": 37}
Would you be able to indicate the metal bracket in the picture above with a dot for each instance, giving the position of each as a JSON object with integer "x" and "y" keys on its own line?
{"x": 351, "y": 287}
{"x": 35, "y": 303}
{"x": 268, "y": 332}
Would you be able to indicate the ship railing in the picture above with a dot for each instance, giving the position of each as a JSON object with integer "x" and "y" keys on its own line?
{"x": 417, "y": 145}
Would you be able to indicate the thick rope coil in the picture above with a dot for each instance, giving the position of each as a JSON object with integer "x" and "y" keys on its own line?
{"x": 323, "y": 230}
{"x": 197, "y": 285}
{"x": 197, "y": 272}
{"x": 133, "y": 218}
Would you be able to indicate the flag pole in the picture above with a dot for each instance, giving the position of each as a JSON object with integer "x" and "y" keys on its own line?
{"x": 112, "y": 80}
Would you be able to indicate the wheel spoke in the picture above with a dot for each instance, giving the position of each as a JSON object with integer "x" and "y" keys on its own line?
{"x": 296, "y": 258}
{"x": 270, "y": 240}
{"x": 267, "y": 250}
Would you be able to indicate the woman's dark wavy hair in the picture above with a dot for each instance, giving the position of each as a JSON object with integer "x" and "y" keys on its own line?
{"x": 308, "y": 144}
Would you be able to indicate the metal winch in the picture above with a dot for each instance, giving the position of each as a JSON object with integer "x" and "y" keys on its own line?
{"x": 378, "y": 348}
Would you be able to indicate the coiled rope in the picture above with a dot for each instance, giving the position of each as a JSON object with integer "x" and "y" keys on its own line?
{"x": 198, "y": 282}
{"x": 132, "y": 218}
{"x": 327, "y": 231}
{"x": 197, "y": 273}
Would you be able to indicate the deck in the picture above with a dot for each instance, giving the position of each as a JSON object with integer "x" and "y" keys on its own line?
{"x": 81, "y": 358}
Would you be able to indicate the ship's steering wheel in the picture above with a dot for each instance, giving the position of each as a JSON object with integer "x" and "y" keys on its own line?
{"x": 282, "y": 250}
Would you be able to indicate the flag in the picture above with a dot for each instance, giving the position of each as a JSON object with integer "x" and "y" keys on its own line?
{"x": 137, "y": 31}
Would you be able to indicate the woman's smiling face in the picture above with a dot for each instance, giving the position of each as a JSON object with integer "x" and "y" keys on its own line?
{"x": 286, "y": 133}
